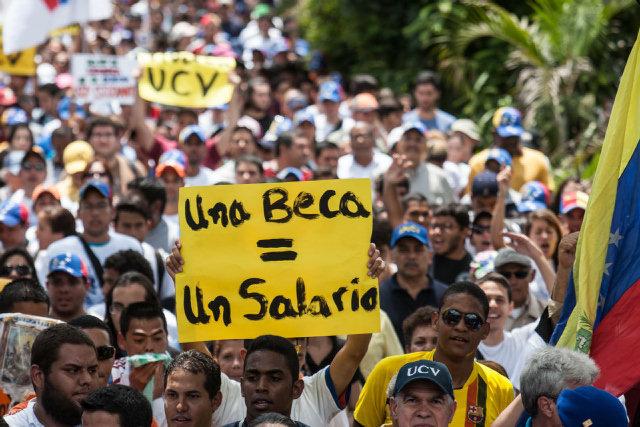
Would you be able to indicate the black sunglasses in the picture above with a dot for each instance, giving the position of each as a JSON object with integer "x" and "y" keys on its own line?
{"x": 520, "y": 274}
{"x": 105, "y": 352}
{"x": 22, "y": 270}
{"x": 452, "y": 317}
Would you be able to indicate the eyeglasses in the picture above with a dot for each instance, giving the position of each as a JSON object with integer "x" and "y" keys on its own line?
{"x": 105, "y": 352}
{"x": 38, "y": 167}
{"x": 452, "y": 317}
{"x": 21, "y": 270}
{"x": 478, "y": 229}
{"x": 520, "y": 274}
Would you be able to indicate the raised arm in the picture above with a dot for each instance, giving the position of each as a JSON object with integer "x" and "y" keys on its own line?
{"x": 497, "y": 217}
{"x": 566, "y": 258}
{"x": 392, "y": 177}
{"x": 344, "y": 365}
{"x": 236, "y": 104}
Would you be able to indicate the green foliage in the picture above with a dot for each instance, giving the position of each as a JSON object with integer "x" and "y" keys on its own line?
{"x": 559, "y": 61}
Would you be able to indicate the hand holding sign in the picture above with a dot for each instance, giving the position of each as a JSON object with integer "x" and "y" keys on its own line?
{"x": 286, "y": 259}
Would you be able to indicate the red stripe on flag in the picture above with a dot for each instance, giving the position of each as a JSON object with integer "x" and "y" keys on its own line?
{"x": 51, "y": 4}
{"x": 616, "y": 343}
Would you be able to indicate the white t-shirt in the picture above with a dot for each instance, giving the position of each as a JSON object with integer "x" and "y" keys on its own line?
{"x": 168, "y": 288}
{"x": 205, "y": 176}
{"x": 511, "y": 350}
{"x": 117, "y": 242}
{"x": 24, "y": 418}
{"x": 225, "y": 173}
{"x": 349, "y": 168}
{"x": 316, "y": 406}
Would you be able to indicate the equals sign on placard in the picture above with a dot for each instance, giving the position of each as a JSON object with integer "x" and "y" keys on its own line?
{"x": 285, "y": 255}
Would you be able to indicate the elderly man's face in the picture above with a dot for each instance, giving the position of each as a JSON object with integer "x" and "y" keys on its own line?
{"x": 422, "y": 403}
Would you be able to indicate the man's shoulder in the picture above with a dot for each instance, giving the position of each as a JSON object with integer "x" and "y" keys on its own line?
{"x": 493, "y": 379}
{"x": 447, "y": 117}
{"x": 438, "y": 287}
{"x": 529, "y": 154}
{"x": 479, "y": 158}
{"x": 118, "y": 239}
{"x": 64, "y": 244}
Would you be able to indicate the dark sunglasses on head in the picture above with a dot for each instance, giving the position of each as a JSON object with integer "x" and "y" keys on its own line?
{"x": 452, "y": 317}
{"x": 520, "y": 274}
{"x": 21, "y": 270}
{"x": 105, "y": 352}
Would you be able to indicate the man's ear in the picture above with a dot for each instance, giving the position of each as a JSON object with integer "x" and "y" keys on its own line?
{"x": 393, "y": 407}
{"x": 533, "y": 275}
{"x": 37, "y": 377}
{"x": 298, "y": 387}
{"x": 546, "y": 406}
{"x": 485, "y": 329}
{"x": 435, "y": 319}
{"x": 217, "y": 400}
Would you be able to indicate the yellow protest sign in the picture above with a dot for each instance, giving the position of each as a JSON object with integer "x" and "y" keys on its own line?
{"x": 285, "y": 258}
{"x": 183, "y": 79}
{"x": 20, "y": 63}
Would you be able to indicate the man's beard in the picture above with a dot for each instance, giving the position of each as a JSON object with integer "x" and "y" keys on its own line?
{"x": 63, "y": 410}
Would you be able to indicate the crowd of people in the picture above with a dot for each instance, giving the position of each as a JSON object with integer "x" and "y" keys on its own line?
{"x": 473, "y": 242}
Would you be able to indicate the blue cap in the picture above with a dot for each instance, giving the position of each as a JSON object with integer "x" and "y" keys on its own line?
{"x": 500, "y": 155}
{"x": 101, "y": 186}
{"x": 590, "y": 406}
{"x": 173, "y": 156}
{"x": 68, "y": 263}
{"x": 14, "y": 213}
{"x": 303, "y": 116}
{"x": 508, "y": 122}
{"x": 410, "y": 229}
{"x": 485, "y": 184}
{"x": 192, "y": 130}
{"x": 284, "y": 173}
{"x": 535, "y": 196}
{"x": 329, "y": 91}
{"x": 14, "y": 115}
{"x": 416, "y": 124}
{"x": 424, "y": 370}
{"x": 13, "y": 160}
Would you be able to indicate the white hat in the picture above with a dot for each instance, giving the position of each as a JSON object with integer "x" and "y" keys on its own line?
{"x": 467, "y": 127}
{"x": 182, "y": 29}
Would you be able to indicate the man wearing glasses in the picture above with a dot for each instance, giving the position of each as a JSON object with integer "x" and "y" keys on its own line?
{"x": 518, "y": 270}
{"x": 461, "y": 323}
{"x": 97, "y": 241}
{"x": 98, "y": 331}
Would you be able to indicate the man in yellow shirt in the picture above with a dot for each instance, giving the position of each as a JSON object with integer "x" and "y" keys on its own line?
{"x": 480, "y": 392}
{"x": 527, "y": 164}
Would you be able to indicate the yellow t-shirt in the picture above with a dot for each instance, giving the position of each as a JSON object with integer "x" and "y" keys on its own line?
{"x": 485, "y": 394}
{"x": 533, "y": 165}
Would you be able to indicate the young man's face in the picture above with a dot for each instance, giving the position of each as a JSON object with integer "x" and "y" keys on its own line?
{"x": 186, "y": 401}
{"x": 459, "y": 341}
{"x": 172, "y": 183}
{"x": 95, "y": 212}
{"x": 446, "y": 235}
{"x": 499, "y": 305}
{"x": 413, "y": 145}
{"x": 418, "y": 212}
{"x": 144, "y": 336}
{"x": 231, "y": 358}
{"x": 195, "y": 150}
{"x": 242, "y": 143}
{"x": 248, "y": 173}
{"x": 70, "y": 379}
{"x": 267, "y": 385}
{"x": 102, "y": 341}
{"x": 104, "y": 141}
{"x": 519, "y": 277}
{"x": 122, "y": 297}
{"x": 329, "y": 158}
{"x": 32, "y": 173}
{"x": 427, "y": 96}
{"x": 300, "y": 152}
{"x": 481, "y": 235}
{"x": 133, "y": 224}
{"x": 67, "y": 293}
{"x": 12, "y": 237}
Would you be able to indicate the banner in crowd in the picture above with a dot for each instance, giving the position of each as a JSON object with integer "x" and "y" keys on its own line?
{"x": 99, "y": 77}
{"x": 27, "y": 23}
{"x": 600, "y": 313}
{"x": 288, "y": 259}
{"x": 18, "y": 64}
{"x": 183, "y": 79}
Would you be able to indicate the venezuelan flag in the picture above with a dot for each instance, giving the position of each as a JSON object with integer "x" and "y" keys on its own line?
{"x": 601, "y": 313}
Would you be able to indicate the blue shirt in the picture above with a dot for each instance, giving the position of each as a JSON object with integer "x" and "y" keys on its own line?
{"x": 442, "y": 120}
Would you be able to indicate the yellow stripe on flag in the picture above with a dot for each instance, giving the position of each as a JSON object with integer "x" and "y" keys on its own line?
{"x": 621, "y": 139}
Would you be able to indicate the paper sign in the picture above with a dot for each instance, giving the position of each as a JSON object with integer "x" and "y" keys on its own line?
{"x": 103, "y": 78}
{"x": 18, "y": 64}
{"x": 287, "y": 259}
{"x": 183, "y": 79}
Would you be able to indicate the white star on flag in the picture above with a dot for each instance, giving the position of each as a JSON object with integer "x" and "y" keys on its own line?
{"x": 606, "y": 267}
{"x": 614, "y": 238}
